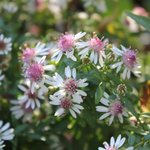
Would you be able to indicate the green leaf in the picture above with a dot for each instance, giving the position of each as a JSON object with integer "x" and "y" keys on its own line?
{"x": 144, "y": 21}
{"x": 147, "y": 137}
{"x": 131, "y": 139}
{"x": 99, "y": 93}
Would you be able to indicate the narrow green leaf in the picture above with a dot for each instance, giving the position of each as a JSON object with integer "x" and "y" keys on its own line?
{"x": 99, "y": 93}
{"x": 144, "y": 21}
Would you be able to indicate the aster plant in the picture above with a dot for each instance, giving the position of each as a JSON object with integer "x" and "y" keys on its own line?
{"x": 80, "y": 80}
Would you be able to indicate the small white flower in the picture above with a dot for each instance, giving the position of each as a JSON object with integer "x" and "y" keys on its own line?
{"x": 5, "y": 45}
{"x": 128, "y": 62}
{"x": 96, "y": 47}
{"x": 6, "y": 133}
{"x": 70, "y": 85}
{"x": 29, "y": 99}
{"x": 1, "y": 76}
{"x": 115, "y": 145}
{"x": 36, "y": 74}
{"x": 19, "y": 110}
{"x": 66, "y": 104}
{"x": 111, "y": 108}
{"x": 66, "y": 45}
{"x": 1, "y": 144}
{"x": 34, "y": 54}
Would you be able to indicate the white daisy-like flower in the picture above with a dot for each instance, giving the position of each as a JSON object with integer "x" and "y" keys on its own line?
{"x": 128, "y": 61}
{"x": 19, "y": 110}
{"x": 66, "y": 103}
{"x": 1, "y": 76}
{"x": 66, "y": 45}
{"x": 6, "y": 133}
{"x": 70, "y": 85}
{"x": 112, "y": 109}
{"x": 35, "y": 53}
{"x": 115, "y": 145}
{"x": 29, "y": 99}
{"x": 96, "y": 47}
{"x": 5, "y": 45}
{"x": 1, "y": 144}
{"x": 36, "y": 74}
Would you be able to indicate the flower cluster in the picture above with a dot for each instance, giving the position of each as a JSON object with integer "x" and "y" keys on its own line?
{"x": 70, "y": 88}
{"x": 69, "y": 96}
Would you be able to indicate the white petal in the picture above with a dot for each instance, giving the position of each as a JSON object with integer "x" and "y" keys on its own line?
{"x": 111, "y": 120}
{"x": 68, "y": 72}
{"x": 121, "y": 142}
{"x": 104, "y": 101}
{"x": 112, "y": 141}
{"x": 74, "y": 73}
{"x": 120, "y": 118}
{"x": 102, "y": 109}
{"x": 73, "y": 113}
{"x": 104, "y": 116}
{"x": 59, "y": 112}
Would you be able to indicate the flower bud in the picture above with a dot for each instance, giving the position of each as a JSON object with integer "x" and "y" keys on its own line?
{"x": 121, "y": 89}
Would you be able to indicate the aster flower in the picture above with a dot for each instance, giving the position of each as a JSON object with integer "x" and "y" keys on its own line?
{"x": 66, "y": 45}
{"x": 65, "y": 103}
{"x": 96, "y": 48}
{"x": 19, "y": 110}
{"x": 5, "y": 45}
{"x": 29, "y": 99}
{"x": 35, "y": 73}
{"x": 115, "y": 145}
{"x": 1, "y": 144}
{"x": 70, "y": 85}
{"x": 111, "y": 108}
{"x": 128, "y": 62}
{"x": 1, "y": 76}
{"x": 31, "y": 54}
{"x": 6, "y": 133}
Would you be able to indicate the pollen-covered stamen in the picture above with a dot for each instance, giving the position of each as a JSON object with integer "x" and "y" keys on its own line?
{"x": 96, "y": 44}
{"x": 66, "y": 42}
{"x": 28, "y": 55}
{"x": 116, "y": 108}
{"x": 70, "y": 85}
{"x": 66, "y": 103}
{"x": 129, "y": 58}
{"x": 2, "y": 45}
{"x": 35, "y": 72}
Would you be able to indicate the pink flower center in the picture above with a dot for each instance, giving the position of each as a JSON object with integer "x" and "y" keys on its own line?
{"x": 116, "y": 108}
{"x": 66, "y": 103}
{"x": 129, "y": 58}
{"x": 35, "y": 72}
{"x": 28, "y": 55}
{"x": 32, "y": 95}
{"x": 70, "y": 85}
{"x": 96, "y": 44}
{"x": 2, "y": 45}
{"x": 66, "y": 42}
